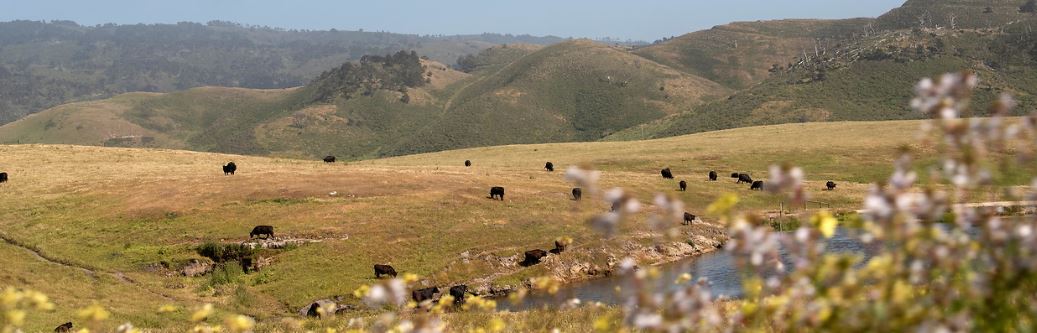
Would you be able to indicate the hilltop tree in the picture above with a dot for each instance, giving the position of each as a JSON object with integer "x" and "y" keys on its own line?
{"x": 1029, "y": 7}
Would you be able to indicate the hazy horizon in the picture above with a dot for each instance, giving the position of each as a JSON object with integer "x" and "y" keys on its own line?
{"x": 647, "y": 20}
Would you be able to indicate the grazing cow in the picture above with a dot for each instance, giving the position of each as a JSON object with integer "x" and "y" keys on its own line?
{"x": 712, "y": 176}
{"x": 329, "y": 159}
{"x": 380, "y": 270}
{"x": 426, "y": 294}
{"x": 683, "y": 185}
{"x": 577, "y": 193}
{"x": 533, "y": 257}
{"x": 458, "y": 292}
{"x": 66, "y": 327}
{"x": 744, "y": 178}
{"x": 467, "y": 163}
{"x": 3, "y": 177}
{"x": 497, "y": 192}
{"x": 667, "y": 173}
{"x": 756, "y": 186}
{"x": 230, "y": 168}
{"x": 550, "y": 166}
{"x": 689, "y": 218}
{"x": 261, "y": 230}
{"x": 830, "y": 185}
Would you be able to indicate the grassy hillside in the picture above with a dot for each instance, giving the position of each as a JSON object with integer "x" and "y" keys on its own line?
{"x": 868, "y": 79}
{"x": 962, "y": 14}
{"x": 128, "y": 214}
{"x": 739, "y": 55}
{"x": 574, "y": 91}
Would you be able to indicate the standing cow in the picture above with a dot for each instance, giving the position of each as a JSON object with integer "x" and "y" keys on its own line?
{"x": 577, "y": 194}
{"x": 830, "y": 185}
{"x": 550, "y": 167}
{"x": 756, "y": 186}
{"x": 667, "y": 173}
{"x": 467, "y": 163}
{"x": 744, "y": 178}
{"x": 497, "y": 192}
{"x": 262, "y": 230}
{"x": 683, "y": 185}
{"x": 689, "y": 218}
{"x": 459, "y": 292}
{"x": 329, "y": 159}
{"x": 712, "y": 176}
{"x": 230, "y": 168}
{"x": 3, "y": 177}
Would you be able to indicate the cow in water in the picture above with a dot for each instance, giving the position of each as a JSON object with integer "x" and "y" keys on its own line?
{"x": 262, "y": 230}
{"x": 497, "y": 192}
{"x": 577, "y": 194}
{"x": 380, "y": 270}
{"x": 3, "y": 177}
{"x": 66, "y": 327}
{"x": 683, "y": 185}
{"x": 756, "y": 186}
{"x": 830, "y": 185}
{"x": 712, "y": 176}
{"x": 745, "y": 178}
{"x": 426, "y": 294}
{"x": 688, "y": 218}
{"x": 467, "y": 163}
{"x": 667, "y": 174}
{"x": 329, "y": 159}
{"x": 230, "y": 168}
{"x": 549, "y": 167}
{"x": 532, "y": 257}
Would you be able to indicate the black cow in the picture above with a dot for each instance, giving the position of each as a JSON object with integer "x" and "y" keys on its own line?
{"x": 66, "y": 327}
{"x": 756, "y": 186}
{"x": 262, "y": 230}
{"x": 246, "y": 264}
{"x": 735, "y": 175}
{"x": 230, "y": 168}
{"x": 329, "y": 159}
{"x": 426, "y": 294}
{"x": 667, "y": 173}
{"x": 467, "y": 163}
{"x": 744, "y": 178}
{"x": 458, "y": 292}
{"x": 830, "y": 185}
{"x": 683, "y": 185}
{"x": 577, "y": 194}
{"x": 712, "y": 176}
{"x": 559, "y": 248}
{"x": 533, "y": 257}
{"x": 689, "y": 218}
{"x": 3, "y": 177}
{"x": 380, "y": 270}
{"x": 550, "y": 166}
{"x": 497, "y": 192}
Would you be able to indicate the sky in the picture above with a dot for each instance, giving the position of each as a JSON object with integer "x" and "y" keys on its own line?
{"x": 629, "y": 19}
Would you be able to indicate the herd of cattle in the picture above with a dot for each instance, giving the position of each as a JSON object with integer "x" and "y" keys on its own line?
{"x": 531, "y": 257}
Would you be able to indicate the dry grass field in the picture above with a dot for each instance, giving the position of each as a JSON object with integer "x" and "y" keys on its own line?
{"x": 102, "y": 221}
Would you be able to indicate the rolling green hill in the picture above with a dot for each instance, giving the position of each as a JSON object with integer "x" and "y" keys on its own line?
{"x": 573, "y": 91}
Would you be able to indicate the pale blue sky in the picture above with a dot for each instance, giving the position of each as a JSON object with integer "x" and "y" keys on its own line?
{"x": 629, "y": 19}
